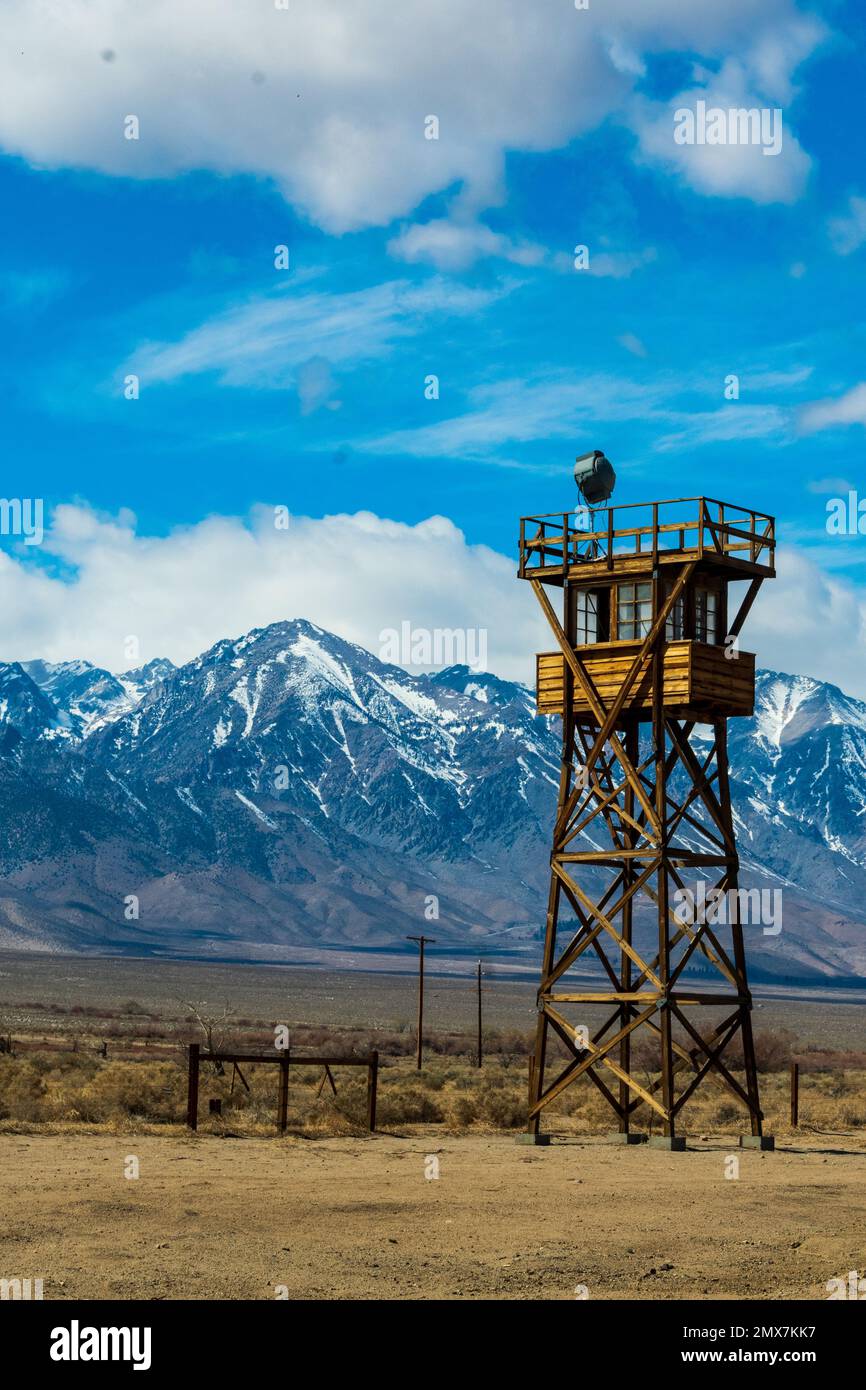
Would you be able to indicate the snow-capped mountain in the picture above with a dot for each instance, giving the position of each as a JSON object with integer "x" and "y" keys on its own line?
{"x": 289, "y": 788}
{"x": 87, "y": 697}
{"x": 807, "y": 762}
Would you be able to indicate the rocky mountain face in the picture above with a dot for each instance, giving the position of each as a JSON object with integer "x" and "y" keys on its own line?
{"x": 288, "y": 788}
{"x": 84, "y": 697}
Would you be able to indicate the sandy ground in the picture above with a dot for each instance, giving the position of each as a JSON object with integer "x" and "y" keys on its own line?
{"x": 358, "y": 1218}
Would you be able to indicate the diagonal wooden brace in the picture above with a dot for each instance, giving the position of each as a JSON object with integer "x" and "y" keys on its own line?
{"x": 595, "y": 704}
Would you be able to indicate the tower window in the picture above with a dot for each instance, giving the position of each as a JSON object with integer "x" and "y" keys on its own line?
{"x": 587, "y": 624}
{"x": 675, "y": 627}
{"x": 634, "y": 611}
{"x": 706, "y": 620}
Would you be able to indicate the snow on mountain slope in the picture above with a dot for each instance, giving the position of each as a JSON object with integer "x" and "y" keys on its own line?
{"x": 288, "y": 786}
{"x": 25, "y": 711}
{"x": 802, "y": 760}
{"x": 87, "y": 697}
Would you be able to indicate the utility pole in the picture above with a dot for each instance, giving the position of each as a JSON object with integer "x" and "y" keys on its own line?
{"x": 479, "y": 1013}
{"x": 422, "y": 942}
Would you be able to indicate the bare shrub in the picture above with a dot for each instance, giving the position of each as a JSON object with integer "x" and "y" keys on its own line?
{"x": 409, "y": 1105}
{"x": 150, "y": 1090}
{"x": 462, "y": 1111}
{"x": 22, "y": 1090}
{"x": 504, "y": 1108}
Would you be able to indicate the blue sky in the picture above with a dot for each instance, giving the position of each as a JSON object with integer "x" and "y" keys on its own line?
{"x": 305, "y": 387}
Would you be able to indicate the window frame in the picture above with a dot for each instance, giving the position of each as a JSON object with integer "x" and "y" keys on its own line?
{"x": 629, "y": 610}
{"x": 707, "y": 623}
{"x": 588, "y": 605}
{"x": 675, "y": 623}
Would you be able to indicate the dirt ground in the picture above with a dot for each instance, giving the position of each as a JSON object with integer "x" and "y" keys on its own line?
{"x": 212, "y": 1218}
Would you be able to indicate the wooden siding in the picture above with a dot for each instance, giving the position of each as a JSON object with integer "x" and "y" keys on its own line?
{"x": 698, "y": 679}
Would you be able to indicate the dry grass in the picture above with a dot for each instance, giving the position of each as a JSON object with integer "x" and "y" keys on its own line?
{"x": 57, "y": 1079}
{"x": 60, "y": 1091}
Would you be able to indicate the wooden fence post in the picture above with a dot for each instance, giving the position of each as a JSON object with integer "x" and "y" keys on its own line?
{"x": 795, "y": 1094}
{"x": 284, "y": 1094}
{"x": 192, "y": 1087}
{"x": 372, "y": 1087}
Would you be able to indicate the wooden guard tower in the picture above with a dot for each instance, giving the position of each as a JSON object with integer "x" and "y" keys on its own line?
{"x": 647, "y": 672}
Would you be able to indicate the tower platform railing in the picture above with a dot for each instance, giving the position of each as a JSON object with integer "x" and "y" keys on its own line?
{"x": 641, "y": 535}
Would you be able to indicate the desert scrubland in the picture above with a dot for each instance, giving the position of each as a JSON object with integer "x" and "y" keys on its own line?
{"x": 106, "y": 1194}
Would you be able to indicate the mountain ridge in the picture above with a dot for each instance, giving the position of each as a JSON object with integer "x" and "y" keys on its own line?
{"x": 286, "y": 787}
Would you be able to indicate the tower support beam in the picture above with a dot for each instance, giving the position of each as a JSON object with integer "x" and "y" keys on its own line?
{"x": 643, "y": 849}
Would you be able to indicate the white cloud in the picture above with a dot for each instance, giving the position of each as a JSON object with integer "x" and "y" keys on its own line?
{"x": 521, "y": 411}
{"x": 849, "y": 409}
{"x": 329, "y": 99}
{"x": 723, "y": 170}
{"x": 619, "y": 265}
{"x": 354, "y": 575}
{"x": 848, "y": 232}
{"x": 810, "y": 623}
{"x": 756, "y": 75}
{"x": 626, "y": 60}
{"x": 455, "y": 243}
{"x": 774, "y": 380}
{"x": 266, "y": 340}
{"x": 829, "y": 486}
{"x": 733, "y": 421}
{"x": 776, "y": 53}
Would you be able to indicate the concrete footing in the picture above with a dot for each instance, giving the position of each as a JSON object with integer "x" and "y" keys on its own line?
{"x": 534, "y": 1139}
{"x": 674, "y": 1143}
{"x": 758, "y": 1141}
{"x": 618, "y": 1138}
